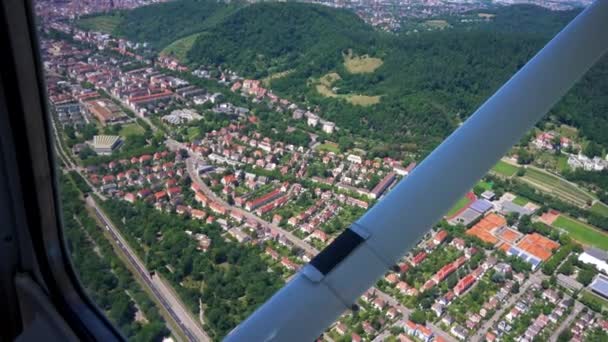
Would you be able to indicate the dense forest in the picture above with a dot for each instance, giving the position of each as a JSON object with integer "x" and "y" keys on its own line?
{"x": 103, "y": 275}
{"x": 230, "y": 279}
{"x": 428, "y": 82}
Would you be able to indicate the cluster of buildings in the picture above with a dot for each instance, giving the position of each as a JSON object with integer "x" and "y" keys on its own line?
{"x": 581, "y": 161}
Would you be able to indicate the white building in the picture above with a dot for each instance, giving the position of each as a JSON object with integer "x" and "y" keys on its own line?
{"x": 588, "y": 164}
{"x": 595, "y": 257}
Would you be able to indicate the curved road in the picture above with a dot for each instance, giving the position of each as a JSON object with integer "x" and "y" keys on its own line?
{"x": 190, "y": 164}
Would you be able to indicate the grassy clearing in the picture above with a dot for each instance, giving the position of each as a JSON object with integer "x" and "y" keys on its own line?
{"x": 102, "y": 23}
{"x": 324, "y": 84}
{"x": 582, "y": 232}
{"x": 179, "y": 48}
{"x": 485, "y": 185}
{"x": 328, "y": 146}
{"x": 600, "y": 208}
{"x": 361, "y": 64}
{"x": 193, "y": 133}
{"x": 486, "y": 16}
{"x": 131, "y": 129}
{"x": 568, "y": 131}
{"x": 592, "y": 297}
{"x": 437, "y": 24}
{"x": 505, "y": 169}
{"x": 553, "y": 184}
{"x": 363, "y": 100}
{"x": 520, "y": 201}
{"x": 458, "y": 206}
{"x": 266, "y": 80}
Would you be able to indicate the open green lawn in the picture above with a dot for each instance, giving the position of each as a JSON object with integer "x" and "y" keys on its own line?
{"x": 592, "y": 297}
{"x": 103, "y": 23}
{"x": 600, "y": 208}
{"x": 179, "y": 48}
{"x": 505, "y": 169}
{"x": 459, "y": 205}
{"x": 331, "y": 147}
{"x": 485, "y": 185}
{"x": 582, "y": 232}
{"x": 131, "y": 129}
{"x": 547, "y": 182}
{"x": 521, "y": 200}
{"x": 193, "y": 133}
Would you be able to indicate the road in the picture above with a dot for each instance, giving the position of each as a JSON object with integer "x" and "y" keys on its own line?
{"x": 578, "y": 307}
{"x": 405, "y": 312}
{"x": 535, "y": 278}
{"x": 190, "y": 164}
{"x": 169, "y": 300}
{"x": 68, "y": 164}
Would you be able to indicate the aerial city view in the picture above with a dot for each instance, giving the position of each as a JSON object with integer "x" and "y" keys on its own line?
{"x": 209, "y": 150}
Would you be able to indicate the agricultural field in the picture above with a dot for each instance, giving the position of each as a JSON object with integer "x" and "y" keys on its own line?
{"x": 505, "y": 169}
{"x": 582, "y": 232}
{"x": 556, "y": 186}
{"x": 600, "y": 208}
{"x": 179, "y": 48}
{"x": 131, "y": 129}
{"x": 104, "y": 23}
{"x": 361, "y": 64}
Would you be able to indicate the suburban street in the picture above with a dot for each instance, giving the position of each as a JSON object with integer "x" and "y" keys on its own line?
{"x": 578, "y": 307}
{"x": 405, "y": 312}
{"x": 535, "y": 278}
{"x": 190, "y": 163}
{"x": 168, "y": 299}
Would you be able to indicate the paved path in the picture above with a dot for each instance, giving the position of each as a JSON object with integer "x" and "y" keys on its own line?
{"x": 406, "y": 312}
{"x": 578, "y": 307}
{"x": 165, "y": 296}
{"x": 535, "y": 278}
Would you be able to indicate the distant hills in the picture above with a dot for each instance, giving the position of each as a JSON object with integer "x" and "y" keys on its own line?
{"x": 407, "y": 89}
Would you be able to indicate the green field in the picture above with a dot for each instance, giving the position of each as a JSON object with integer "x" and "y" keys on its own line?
{"x": 600, "y": 208}
{"x": 459, "y": 205}
{"x": 361, "y": 64}
{"x": 556, "y": 186}
{"x": 193, "y": 133}
{"x": 179, "y": 48}
{"x": 485, "y": 185}
{"x": 131, "y": 129}
{"x": 582, "y": 232}
{"x": 505, "y": 169}
{"x": 324, "y": 88}
{"x": 104, "y": 23}
{"x": 330, "y": 147}
{"x": 521, "y": 201}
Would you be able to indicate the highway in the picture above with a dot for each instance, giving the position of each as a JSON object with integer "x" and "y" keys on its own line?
{"x": 173, "y": 306}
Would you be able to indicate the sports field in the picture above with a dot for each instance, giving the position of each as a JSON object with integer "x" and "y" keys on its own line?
{"x": 458, "y": 206}
{"x": 556, "y": 186}
{"x": 582, "y": 232}
{"x": 505, "y": 169}
{"x": 131, "y": 129}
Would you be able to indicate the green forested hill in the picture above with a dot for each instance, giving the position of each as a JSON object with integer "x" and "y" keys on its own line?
{"x": 269, "y": 37}
{"x": 422, "y": 85}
